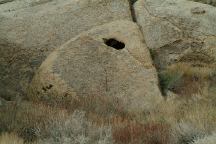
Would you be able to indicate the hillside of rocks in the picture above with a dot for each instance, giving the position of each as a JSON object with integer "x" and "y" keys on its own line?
{"x": 107, "y": 71}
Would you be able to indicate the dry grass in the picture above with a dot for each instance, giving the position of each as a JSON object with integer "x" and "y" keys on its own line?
{"x": 172, "y": 122}
{"x": 102, "y": 106}
{"x": 44, "y": 124}
{"x": 198, "y": 118}
{"x": 29, "y": 120}
{"x": 175, "y": 121}
{"x": 103, "y": 120}
{"x": 76, "y": 128}
{"x": 187, "y": 69}
{"x": 186, "y": 80}
{"x": 137, "y": 133}
{"x": 11, "y": 138}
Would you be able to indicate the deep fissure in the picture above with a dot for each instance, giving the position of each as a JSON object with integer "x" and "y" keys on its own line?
{"x": 132, "y": 11}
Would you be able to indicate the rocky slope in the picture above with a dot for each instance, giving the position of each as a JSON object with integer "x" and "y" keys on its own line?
{"x": 107, "y": 71}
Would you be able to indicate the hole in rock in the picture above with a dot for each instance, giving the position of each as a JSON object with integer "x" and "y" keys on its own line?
{"x": 50, "y": 86}
{"x": 114, "y": 43}
{"x": 47, "y": 87}
{"x": 5, "y": 98}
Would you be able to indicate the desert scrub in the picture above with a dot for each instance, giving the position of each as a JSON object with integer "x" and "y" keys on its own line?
{"x": 184, "y": 79}
{"x": 10, "y": 138}
{"x": 168, "y": 79}
{"x": 185, "y": 133}
{"x": 45, "y": 125}
{"x": 138, "y": 133}
{"x": 188, "y": 120}
{"x": 77, "y": 129}
{"x": 201, "y": 113}
{"x": 29, "y": 120}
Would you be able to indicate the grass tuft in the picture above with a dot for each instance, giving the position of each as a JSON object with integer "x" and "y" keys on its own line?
{"x": 10, "y": 138}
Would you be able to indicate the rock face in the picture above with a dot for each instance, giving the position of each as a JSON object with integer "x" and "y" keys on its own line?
{"x": 209, "y": 2}
{"x": 5, "y": 1}
{"x": 109, "y": 61}
{"x": 178, "y": 31}
{"x": 2, "y": 101}
{"x": 206, "y": 140}
{"x": 30, "y": 30}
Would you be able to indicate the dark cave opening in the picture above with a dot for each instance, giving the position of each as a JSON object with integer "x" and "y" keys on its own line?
{"x": 114, "y": 43}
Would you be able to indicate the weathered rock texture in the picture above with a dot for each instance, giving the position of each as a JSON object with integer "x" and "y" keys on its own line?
{"x": 30, "y": 30}
{"x": 206, "y": 140}
{"x": 209, "y": 2}
{"x": 178, "y": 31}
{"x": 109, "y": 61}
{"x": 5, "y": 1}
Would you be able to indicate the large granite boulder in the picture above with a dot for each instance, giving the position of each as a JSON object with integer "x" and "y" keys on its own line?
{"x": 108, "y": 61}
{"x": 30, "y": 30}
{"x": 178, "y": 31}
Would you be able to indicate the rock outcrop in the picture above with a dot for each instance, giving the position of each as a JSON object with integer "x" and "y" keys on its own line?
{"x": 30, "y": 30}
{"x": 211, "y": 139}
{"x": 178, "y": 31}
{"x": 108, "y": 61}
{"x": 209, "y": 2}
{"x": 108, "y": 71}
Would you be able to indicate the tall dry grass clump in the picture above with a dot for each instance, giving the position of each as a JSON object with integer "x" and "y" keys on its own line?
{"x": 138, "y": 133}
{"x": 10, "y": 138}
{"x": 211, "y": 139}
{"x": 185, "y": 118}
{"x": 188, "y": 120}
{"x": 185, "y": 80}
{"x": 42, "y": 124}
{"x": 28, "y": 120}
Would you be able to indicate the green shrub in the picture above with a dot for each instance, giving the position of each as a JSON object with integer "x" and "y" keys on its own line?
{"x": 168, "y": 80}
